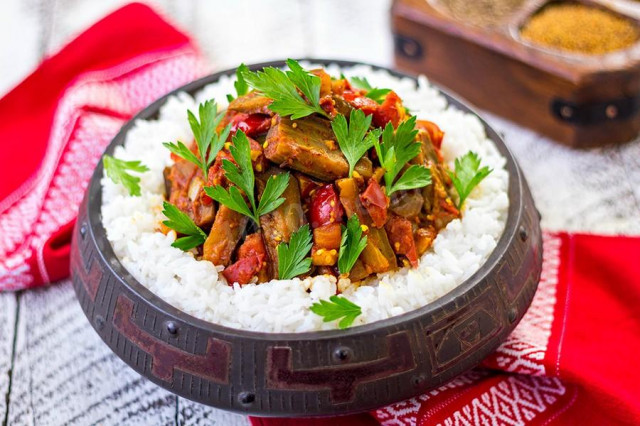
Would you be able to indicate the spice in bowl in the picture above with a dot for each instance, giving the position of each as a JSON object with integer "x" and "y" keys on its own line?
{"x": 483, "y": 13}
{"x": 580, "y": 28}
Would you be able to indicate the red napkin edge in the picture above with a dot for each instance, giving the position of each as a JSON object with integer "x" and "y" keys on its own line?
{"x": 130, "y": 31}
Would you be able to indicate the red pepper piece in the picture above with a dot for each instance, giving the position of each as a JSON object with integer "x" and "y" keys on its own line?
{"x": 250, "y": 124}
{"x": 400, "y": 233}
{"x": 243, "y": 270}
{"x": 391, "y": 111}
{"x": 251, "y": 255}
{"x": 376, "y": 202}
{"x": 435, "y": 134}
{"x": 325, "y": 207}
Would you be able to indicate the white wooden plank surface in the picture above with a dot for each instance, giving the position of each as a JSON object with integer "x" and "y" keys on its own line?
{"x": 8, "y": 307}
{"x": 19, "y": 20}
{"x": 63, "y": 373}
{"x": 593, "y": 190}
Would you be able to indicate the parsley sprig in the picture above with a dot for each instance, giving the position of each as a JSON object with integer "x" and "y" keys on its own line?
{"x": 283, "y": 88}
{"x": 374, "y": 93}
{"x": 117, "y": 171}
{"x": 292, "y": 257}
{"x": 353, "y": 139}
{"x": 240, "y": 84}
{"x": 395, "y": 151}
{"x": 208, "y": 141}
{"x": 468, "y": 175}
{"x": 182, "y": 224}
{"x": 337, "y": 308}
{"x": 351, "y": 245}
{"x": 241, "y": 175}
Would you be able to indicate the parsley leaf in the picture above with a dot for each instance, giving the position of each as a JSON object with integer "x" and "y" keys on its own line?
{"x": 351, "y": 245}
{"x": 274, "y": 188}
{"x": 292, "y": 257}
{"x": 241, "y": 175}
{"x": 240, "y": 84}
{"x": 182, "y": 224}
{"x": 353, "y": 138}
{"x": 208, "y": 141}
{"x": 283, "y": 88}
{"x": 374, "y": 93}
{"x": 395, "y": 151}
{"x": 414, "y": 177}
{"x": 467, "y": 175}
{"x": 117, "y": 171}
{"x": 336, "y": 308}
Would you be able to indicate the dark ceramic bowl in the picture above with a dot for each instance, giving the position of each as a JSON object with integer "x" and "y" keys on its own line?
{"x": 316, "y": 373}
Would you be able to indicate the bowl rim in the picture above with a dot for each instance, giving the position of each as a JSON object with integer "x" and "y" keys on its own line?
{"x": 105, "y": 250}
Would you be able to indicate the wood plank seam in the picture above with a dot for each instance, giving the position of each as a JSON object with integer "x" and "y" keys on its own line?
{"x": 5, "y": 421}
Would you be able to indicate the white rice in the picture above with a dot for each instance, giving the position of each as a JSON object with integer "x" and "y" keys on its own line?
{"x": 283, "y": 306}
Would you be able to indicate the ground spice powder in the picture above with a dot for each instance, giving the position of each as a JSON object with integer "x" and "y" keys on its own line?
{"x": 580, "y": 28}
{"x": 484, "y": 13}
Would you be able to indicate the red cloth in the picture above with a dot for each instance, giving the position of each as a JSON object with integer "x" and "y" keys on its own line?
{"x": 58, "y": 121}
{"x": 571, "y": 360}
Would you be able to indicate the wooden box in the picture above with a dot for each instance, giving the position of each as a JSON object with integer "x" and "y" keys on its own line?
{"x": 579, "y": 100}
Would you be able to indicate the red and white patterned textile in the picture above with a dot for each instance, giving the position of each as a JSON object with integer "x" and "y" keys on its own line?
{"x": 571, "y": 360}
{"x": 90, "y": 95}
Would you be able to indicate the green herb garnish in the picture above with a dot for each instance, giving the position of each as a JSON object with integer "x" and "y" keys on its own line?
{"x": 283, "y": 88}
{"x": 395, "y": 151}
{"x": 241, "y": 175}
{"x": 467, "y": 175}
{"x": 335, "y": 308}
{"x": 292, "y": 257}
{"x": 351, "y": 245}
{"x": 208, "y": 140}
{"x": 183, "y": 224}
{"x": 240, "y": 84}
{"x": 353, "y": 138}
{"x": 374, "y": 93}
{"x": 117, "y": 171}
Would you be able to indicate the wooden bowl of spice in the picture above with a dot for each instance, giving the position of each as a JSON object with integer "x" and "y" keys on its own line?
{"x": 568, "y": 69}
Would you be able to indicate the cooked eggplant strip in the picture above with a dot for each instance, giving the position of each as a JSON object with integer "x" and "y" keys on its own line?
{"x": 378, "y": 256}
{"x": 307, "y": 145}
{"x": 438, "y": 206}
{"x": 185, "y": 183}
{"x": 278, "y": 225}
{"x": 251, "y": 103}
{"x": 407, "y": 204}
{"x": 226, "y": 232}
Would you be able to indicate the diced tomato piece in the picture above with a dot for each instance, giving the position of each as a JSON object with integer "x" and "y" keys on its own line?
{"x": 391, "y": 111}
{"x": 258, "y": 160}
{"x": 250, "y": 124}
{"x": 400, "y": 233}
{"x": 328, "y": 105}
{"x": 376, "y": 202}
{"x": 325, "y": 207}
{"x": 368, "y": 106}
{"x": 251, "y": 255}
{"x": 449, "y": 207}
{"x": 306, "y": 185}
{"x": 216, "y": 172}
{"x": 435, "y": 134}
{"x": 252, "y": 246}
{"x": 424, "y": 239}
{"x": 325, "y": 81}
{"x": 328, "y": 236}
{"x": 243, "y": 270}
